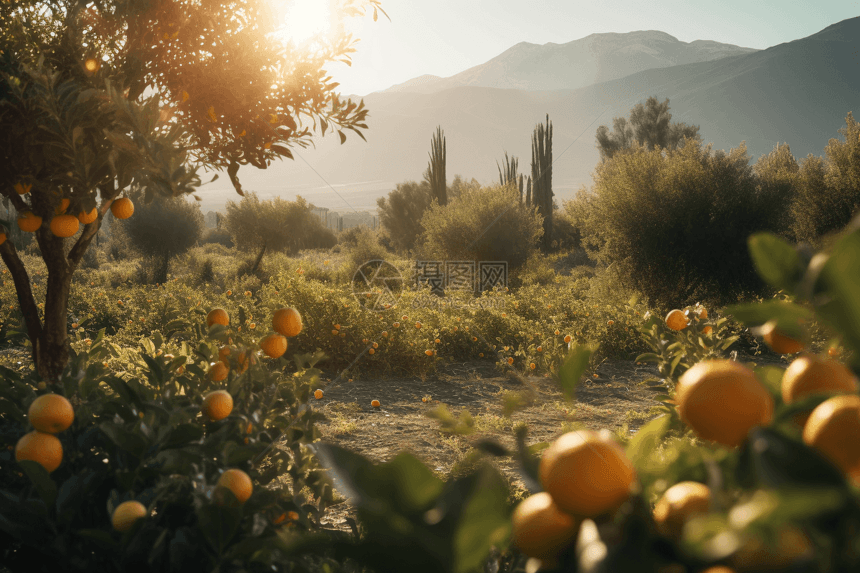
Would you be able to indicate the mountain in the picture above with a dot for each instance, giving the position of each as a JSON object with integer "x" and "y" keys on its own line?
{"x": 797, "y": 92}
{"x": 590, "y": 60}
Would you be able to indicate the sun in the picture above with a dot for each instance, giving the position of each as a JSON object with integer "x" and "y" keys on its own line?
{"x": 301, "y": 20}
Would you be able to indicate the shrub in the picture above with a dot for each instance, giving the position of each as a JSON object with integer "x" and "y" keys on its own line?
{"x": 217, "y": 237}
{"x": 676, "y": 226}
{"x": 486, "y": 224}
{"x": 400, "y": 214}
{"x": 160, "y": 230}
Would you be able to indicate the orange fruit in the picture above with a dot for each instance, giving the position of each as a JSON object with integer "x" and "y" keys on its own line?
{"x": 65, "y": 225}
{"x": 779, "y": 342}
{"x": 375, "y": 403}
{"x": 703, "y": 313}
{"x": 811, "y": 374}
{"x": 126, "y": 514}
{"x": 122, "y": 208}
{"x": 64, "y": 204}
{"x": 318, "y": 394}
{"x": 218, "y": 371}
{"x": 833, "y": 429}
{"x": 541, "y": 529}
{"x": 567, "y": 339}
{"x": 587, "y": 473}
{"x": 678, "y": 504}
{"x": 218, "y": 404}
{"x": 274, "y": 345}
{"x": 722, "y": 400}
{"x": 29, "y": 222}
{"x": 238, "y": 482}
{"x": 755, "y": 555}
{"x": 51, "y": 413}
{"x": 371, "y": 351}
{"x": 676, "y": 320}
{"x": 224, "y": 353}
{"x": 217, "y": 316}
{"x": 244, "y": 362}
{"x": 87, "y": 218}
{"x": 42, "y": 448}
{"x": 707, "y": 330}
{"x": 719, "y": 569}
{"x": 833, "y": 351}
{"x": 287, "y": 322}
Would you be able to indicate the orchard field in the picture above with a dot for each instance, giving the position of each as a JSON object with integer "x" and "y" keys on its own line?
{"x": 665, "y": 380}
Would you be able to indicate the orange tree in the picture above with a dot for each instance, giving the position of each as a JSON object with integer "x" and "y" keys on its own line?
{"x": 99, "y": 97}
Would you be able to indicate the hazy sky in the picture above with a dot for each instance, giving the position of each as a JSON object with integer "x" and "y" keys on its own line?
{"x": 444, "y": 37}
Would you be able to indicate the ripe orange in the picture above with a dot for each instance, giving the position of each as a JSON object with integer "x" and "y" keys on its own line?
{"x": 87, "y": 218}
{"x": 541, "y": 529}
{"x": 29, "y": 222}
{"x": 676, "y": 320}
{"x": 703, "y": 313}
{"x": 51, "y": 413}
{"x": 217, "y": 316}
{"x": 779, "y": 342}
{"x": 126, "y": 514}
{"x": 375, "y": 403}
{"x": 722, "y": 400}
{"x": 587, "y": 473}
{"x": 64, "y": 204}
{"x": 122, "y": 208}
{"x": 755, "y": 555}
{"x": 287, "y": 322}
{"x": 42, "y": 448}
{"x": 567, "y": 339}
{"x": 274, "y": 345}
{"x": 371, "y": 351}
{"x": 707, "y": 330}
{"x": 244, "y": 362}
{"x": 428, "y": 352}
{"x": 318, "y": 394}
{"x": 678, "y": 504}
{"x": 811, "y": 374}
{"x": 65, "y": 225}
{"x": 238, "y": 482}
{"x": 218, "y": 371}
{"x": 218, "y": 404}
{"x": 833, "y": 429}
{"x": 224, "y": 353}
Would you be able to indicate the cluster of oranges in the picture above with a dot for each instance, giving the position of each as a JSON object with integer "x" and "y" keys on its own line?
{"x": 287, "y": 323}
{"x": 49, "y": 414}
{"x": 64, "y": 224}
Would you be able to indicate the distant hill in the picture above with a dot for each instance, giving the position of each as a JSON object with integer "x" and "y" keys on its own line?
{"x": 797, "y": 92}
{"x": 590, "y": 60}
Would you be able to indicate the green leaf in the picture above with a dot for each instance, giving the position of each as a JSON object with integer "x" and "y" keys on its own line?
{"x": 573, "y": 368}
{"x": 41, "y": 479}
{"x": 183, "y": 435}
{"x": 646, "y": 440}
{"x": 129, "y": 441}
{"x": 776, "y": 261}
{"x": 787, "y": 314}
{"x": 484, "y": 521}
{"x": 840, "y": 278}
{"x": 219, "y": 523}
{"x": 771, "y": 378}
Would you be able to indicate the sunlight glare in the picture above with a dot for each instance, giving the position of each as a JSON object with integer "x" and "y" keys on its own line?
{"x": 303, "y": 19}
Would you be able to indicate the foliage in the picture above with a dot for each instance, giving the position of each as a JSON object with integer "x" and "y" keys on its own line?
{"x": 827, "y": 190}
{"x": 486, "y": 224}
{"x": 400, "y": 215}
{"x": 648, "y": 126}
{"x": 144, "y": 437}
{"x": 217, "y": 236}
{"x": 282, "y": 226}
{"x": 161, "y": 230}
{"x": 676, "y": 225}
{"x": 541, "y": 179}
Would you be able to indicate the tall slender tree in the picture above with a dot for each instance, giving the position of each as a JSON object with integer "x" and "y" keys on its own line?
{"x": 435, "y": 174}
{"x": 541, "y": 195}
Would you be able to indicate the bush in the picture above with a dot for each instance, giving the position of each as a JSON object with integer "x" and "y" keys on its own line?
{"x": 677, "y": 226}
{"x": 485, "y": 224}
{"x": 217, "y": 237}
{"x": 400, "y": 214}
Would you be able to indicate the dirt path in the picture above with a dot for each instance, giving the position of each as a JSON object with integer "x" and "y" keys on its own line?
{"x": 620, "y": 396}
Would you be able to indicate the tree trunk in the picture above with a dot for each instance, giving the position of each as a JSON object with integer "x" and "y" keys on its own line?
{"x": 259, "y": 259}
{"x": 161, "y": 271}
